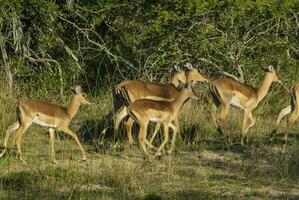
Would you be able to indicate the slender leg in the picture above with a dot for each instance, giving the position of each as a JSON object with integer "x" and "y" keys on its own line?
{"x": 248, "y": 122}
{"x": 10, "y": 129}
{"x": 177, "y": 124}
{"x": 166, "y": 137}
{"x": 294, "y": 116}
{"x": 149, "y": 144}
{"x": 175, "y": 131}
{"x": 52, "y": 140}
{"x": 129, "y": 124}
{"x": 119, "y": 117}
{"x": 18, "y": 136}
{"x": 222, "y": 125}
{"x": 214, "y": 114}
{"x": 74, "y": 136}
{"x": 157, "y": 127}
{"x": 142, "y": 136}
{"x": 282, "y": 113}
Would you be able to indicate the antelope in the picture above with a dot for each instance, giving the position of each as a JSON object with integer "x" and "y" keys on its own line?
{"x": 145, "y": 110}
{"x": 293, "y": 108}
{"x": 226, "y": 92}
{"x": 133, "y": 90}
{"x": 46, "y": 115}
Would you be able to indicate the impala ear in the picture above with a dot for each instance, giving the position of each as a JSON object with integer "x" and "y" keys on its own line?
{"x": 177, "y": 68}
{"x": 270, "y": 68}
{"x": 76, "y": 89}
{"x": 189, "y": 66}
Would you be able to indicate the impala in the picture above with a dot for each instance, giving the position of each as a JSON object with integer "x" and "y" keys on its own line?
{"x": 133, "y": 90}
{"x": 145, "y": 110}
{"x": 293, "y": 109}
{"x": 226, "y": 92}
{"x": 46, "y": 115}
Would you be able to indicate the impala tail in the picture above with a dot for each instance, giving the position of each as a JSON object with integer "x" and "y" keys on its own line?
{"x": 294, "y": 99}
{"x": 118, "y": 100}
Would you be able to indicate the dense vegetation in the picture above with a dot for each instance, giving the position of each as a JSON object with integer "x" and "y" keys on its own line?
{"x": 97, "y": 43}
{"x": 48, "y": 46}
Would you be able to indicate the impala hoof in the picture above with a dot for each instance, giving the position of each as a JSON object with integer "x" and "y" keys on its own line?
{"x": 23, "y": 161}
{"x": 131, "y": 142}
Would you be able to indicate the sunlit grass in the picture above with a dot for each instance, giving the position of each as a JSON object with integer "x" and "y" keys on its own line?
{"x": 202, "y": 167}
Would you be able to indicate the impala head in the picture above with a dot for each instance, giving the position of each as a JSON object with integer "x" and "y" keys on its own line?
{"x": 179, "y": 76}
{"x": 80, "y": 96}
{"x": 193, "y": 76}
{"x": 271, "y": 72}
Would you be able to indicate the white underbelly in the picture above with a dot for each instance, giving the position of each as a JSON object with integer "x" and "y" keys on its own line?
{"x": 235, "y": 102}
{"x": 41, "y": 123}
{"x": 154, "y": 119}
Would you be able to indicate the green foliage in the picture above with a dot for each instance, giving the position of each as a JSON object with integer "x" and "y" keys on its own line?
{"x": 97, "y": 43}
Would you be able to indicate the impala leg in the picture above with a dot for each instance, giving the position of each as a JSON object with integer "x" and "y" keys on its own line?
{"x": 74, "y": 136}
{"x": 223, "y": 114}
{"x": 129, "y": 125}
{"x": 177, "y": 124}
{"x": 10, "y": 129}
{"x": 142, "y": 137}
{"x": 119, "y": 117}
{"x": 283, "y": 113}
{"x": 157, "y": 127}
{"x": 149, "y": 145}
{"x": 214, "y": 114}
{"x": 294, "y": 116}
{"x": 248, "y": 122}
{"x": 18, "y": 136}
{"x": 52, "y": 140}
{"x": 175, "y": 131}
{"x": 166, "y": 137}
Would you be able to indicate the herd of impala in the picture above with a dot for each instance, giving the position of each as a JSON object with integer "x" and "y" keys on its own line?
{"x": 145, "y": 102}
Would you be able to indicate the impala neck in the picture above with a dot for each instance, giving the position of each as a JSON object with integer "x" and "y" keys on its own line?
{"x": 263, "y": 90}
{"x": 179, "y": 101}
{"x": 73, "y": 108}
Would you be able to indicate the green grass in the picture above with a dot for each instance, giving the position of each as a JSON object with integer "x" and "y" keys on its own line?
{"x": 203, "y": 166}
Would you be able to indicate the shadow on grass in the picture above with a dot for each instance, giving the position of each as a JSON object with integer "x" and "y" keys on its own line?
{"x": 52, "y": 183}
{"x": 189, "y": 133}
{"x": 182, "y": 195}
{"x": 277, "y": 137}
{"x": 100, "y": 134}
{"x": 193, "y": 195}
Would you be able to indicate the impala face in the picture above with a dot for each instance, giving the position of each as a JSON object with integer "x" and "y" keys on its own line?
{"x": 81, "y": 96}
{"x": 270, "y": 71}
{"x": 194, "y": 75}
{"x": 275, "y": 77}
{"x": 181, "y": 77}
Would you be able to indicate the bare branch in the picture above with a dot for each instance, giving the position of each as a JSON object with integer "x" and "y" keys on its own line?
{"x": 219, "y": 68}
